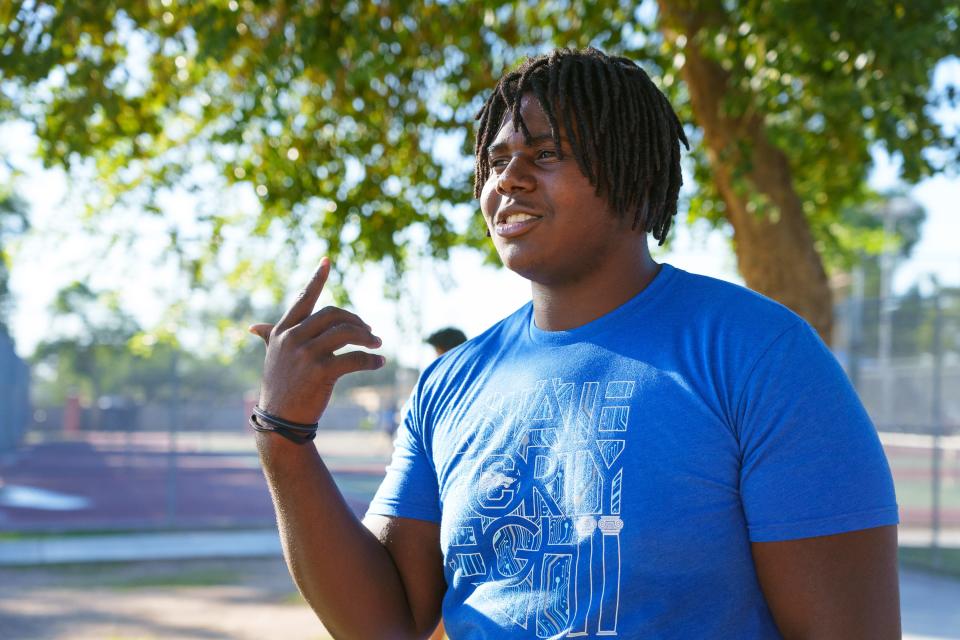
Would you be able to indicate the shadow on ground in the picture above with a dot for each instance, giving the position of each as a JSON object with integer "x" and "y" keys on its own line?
{"x": 199, "y": 599}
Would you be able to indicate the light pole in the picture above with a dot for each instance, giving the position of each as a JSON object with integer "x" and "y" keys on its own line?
{"x": 890, "y": 212}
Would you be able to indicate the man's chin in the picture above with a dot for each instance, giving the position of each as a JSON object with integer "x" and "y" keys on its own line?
{"x": 526, "y": 267}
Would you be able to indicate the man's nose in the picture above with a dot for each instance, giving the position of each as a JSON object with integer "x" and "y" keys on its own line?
{"x": 516, "y": 176}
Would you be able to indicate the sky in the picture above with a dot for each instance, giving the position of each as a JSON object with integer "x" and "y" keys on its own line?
{"x": 463, "y": 292}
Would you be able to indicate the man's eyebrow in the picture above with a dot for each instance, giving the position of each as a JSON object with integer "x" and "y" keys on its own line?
{"x": 534, "y": 140}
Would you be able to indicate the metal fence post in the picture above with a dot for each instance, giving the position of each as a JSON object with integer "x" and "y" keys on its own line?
{"x": 937, "y": 415}
{"x": 174, "y": 427}
{"x": 855, "y": 332}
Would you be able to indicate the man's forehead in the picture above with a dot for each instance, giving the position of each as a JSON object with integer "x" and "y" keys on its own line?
{"x": 535, "y": 120}
{"x": 507, "y": 134}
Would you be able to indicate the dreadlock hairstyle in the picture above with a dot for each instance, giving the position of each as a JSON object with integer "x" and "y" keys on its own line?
{"x": 623, "y": 132}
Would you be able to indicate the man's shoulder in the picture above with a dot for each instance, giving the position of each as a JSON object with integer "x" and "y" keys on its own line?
{"x": 718, "y": 305}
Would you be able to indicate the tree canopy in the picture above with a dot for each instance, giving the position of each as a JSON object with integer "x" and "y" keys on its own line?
{"x": 352, "y": 121}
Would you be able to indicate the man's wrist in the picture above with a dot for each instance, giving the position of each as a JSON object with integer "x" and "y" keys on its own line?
{"x": 296, "y": 432}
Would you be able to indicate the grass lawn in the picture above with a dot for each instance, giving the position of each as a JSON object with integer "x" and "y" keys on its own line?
{"x": 943, "y": 561}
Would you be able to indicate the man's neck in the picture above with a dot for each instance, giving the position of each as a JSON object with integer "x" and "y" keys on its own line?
{"x": 574, "y": 304}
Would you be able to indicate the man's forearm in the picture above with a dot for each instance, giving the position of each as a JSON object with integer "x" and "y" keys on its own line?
{"x": 340, "y": 567}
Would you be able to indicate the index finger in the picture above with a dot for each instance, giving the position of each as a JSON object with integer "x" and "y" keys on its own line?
{"x": 307, "y": 297}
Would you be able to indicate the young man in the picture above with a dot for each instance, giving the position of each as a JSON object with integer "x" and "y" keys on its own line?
{"x": 639, "y": 452}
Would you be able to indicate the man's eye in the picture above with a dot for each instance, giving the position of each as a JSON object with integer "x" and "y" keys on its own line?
{"x": 548, "y": 154}
{"x": 499, "y": 163}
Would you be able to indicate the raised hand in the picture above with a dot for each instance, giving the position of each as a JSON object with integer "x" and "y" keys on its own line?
{"x": 300, "y": 367}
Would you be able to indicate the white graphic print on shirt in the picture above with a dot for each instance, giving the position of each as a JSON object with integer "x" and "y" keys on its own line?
{"x": 541, "y": 537}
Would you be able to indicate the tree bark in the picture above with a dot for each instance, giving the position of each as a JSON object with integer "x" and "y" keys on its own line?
{"x": 774, "y": 246}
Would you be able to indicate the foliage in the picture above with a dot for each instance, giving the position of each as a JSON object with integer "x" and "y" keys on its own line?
{"x": 347, "y": 118}
{"x": 865, "y": 234}
{"x": 100, "y": 352}
{"x": 329, "y": 112}
{"x": 921, "y": 324}
{"x": 831, "y": 80}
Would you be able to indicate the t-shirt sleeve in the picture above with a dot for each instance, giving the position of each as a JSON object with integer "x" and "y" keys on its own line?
{"x": 811, "y": 460}
{"x": 410, "y": 488}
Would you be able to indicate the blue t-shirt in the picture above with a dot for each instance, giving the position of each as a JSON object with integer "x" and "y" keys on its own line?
{"x": 608, "y": 480}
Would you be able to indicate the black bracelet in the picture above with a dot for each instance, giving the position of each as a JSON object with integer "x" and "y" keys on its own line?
{"x": 280, "y": 422}
{"x": 296, "y": 432}
{"x": 289, "y": 434}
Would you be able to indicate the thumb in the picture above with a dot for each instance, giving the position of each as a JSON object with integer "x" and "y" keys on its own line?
{"x": 261, "y": 329}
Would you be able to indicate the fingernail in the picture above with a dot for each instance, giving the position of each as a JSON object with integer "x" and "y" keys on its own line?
{"x": 381, "y": 361}
{"x": 377, "y": 340}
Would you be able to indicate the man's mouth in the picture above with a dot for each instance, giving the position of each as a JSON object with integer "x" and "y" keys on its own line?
{"x": 515, "y": 224}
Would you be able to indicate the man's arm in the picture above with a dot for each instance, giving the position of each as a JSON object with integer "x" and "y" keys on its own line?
{"x": 385, "y": 581}
{"x": 837, "y": 586}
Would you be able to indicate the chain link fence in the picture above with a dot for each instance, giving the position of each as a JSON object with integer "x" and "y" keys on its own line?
{"x": 118, "y": 466}
{"x": 903, "y": 356}
{"x": 187, "y": 465}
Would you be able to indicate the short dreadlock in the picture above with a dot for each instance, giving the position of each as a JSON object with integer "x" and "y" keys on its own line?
{"x": 624, "y": 134}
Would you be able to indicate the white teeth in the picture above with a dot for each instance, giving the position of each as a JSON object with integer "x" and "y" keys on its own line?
{"x": 517, "y": 217}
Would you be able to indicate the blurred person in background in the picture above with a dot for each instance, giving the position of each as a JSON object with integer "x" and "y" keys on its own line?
{"x": 637, "y": 452}
{"x": 445, "y": 339}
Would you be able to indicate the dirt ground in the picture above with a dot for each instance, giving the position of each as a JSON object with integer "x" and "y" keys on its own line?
{"x": 197, "y": 599}
{"x": 254, "y": 599}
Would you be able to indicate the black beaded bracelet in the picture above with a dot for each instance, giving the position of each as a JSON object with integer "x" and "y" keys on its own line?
{"x": 296, "y": 432}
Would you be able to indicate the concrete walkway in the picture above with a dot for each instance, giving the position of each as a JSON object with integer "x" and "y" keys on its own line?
{"x": 930, "y": 606}
{"x": 930, "y": 603}
{"x": 139, "y": 546}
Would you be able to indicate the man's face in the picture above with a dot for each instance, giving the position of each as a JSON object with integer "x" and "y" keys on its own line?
{"x": 544, "y": 216}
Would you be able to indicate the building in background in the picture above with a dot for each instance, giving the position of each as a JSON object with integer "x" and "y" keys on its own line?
{"x": 14, "y": 395}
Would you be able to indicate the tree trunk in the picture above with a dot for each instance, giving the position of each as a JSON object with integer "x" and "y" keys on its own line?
{"x": 774, "y": 246}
